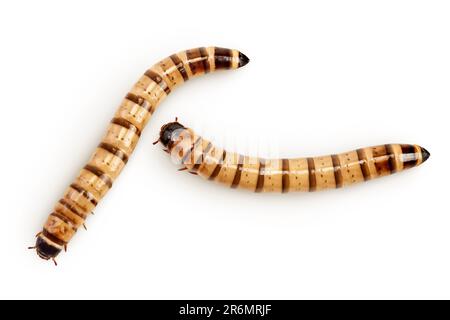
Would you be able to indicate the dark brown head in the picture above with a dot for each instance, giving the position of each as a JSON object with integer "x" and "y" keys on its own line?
{"x": 46, "y": 250}
{"x": 166, "y": 134}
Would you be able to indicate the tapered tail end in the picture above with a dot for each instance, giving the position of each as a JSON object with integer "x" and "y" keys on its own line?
{"x": 411, "y": 155}
{"x": 243, "y": 60}
{"x": 425, "y": 154}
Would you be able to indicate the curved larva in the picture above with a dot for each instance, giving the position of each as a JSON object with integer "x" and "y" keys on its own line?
{"x": 234, "y": 170}
{"x": 111, "y": 155}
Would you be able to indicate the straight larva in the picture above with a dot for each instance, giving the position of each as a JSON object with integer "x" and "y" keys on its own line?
{"x": 200, "y": 156}
{"x": 111, "y": 155}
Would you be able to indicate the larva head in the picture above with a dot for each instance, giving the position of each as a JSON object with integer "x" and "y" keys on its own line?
{"x": 46, "y": 250}
{"x": 168, "y": 132}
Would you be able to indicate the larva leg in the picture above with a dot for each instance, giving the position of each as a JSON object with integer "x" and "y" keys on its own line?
{"x": 121, "y": 138}
{"x": 286, "y": 175}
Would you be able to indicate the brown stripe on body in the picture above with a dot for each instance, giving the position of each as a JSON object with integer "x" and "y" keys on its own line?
{"x": 180, "y": 66}
{"x": 127, "y": 124}
{"x": 210, "y": 161}
{"x": 260, "y": 182}
{"x": 71, "y": 208}
{"x": 201, "y": 157}
{"x": 312, "y": 175}
{"x": 85, "y": 193}
{"x": 158, "y": 79}
{"x": 195, "y": 168}
{"x": 381, "y": 159}
{"x": 285, "y": 175}
{"x": 114, "y": 150}
{"x": 363, "y": 164}
{"x": 100, "y": 174}
{"x": 66, "y": 219}
{"x": 189, "y": 152}
{"x": 204, "y": 55}
{"x": 53, "y": 238}
{"x": 218, "y": 167}
{"x": 198, "y": 60}
{"x": 409, "y": 156}
{"x": 337, "y": 171}
{"x": 76, "y": 220}
{"x": 140, "y": 101}
{"x": 238, "y": 174}
{"x": 249, "y": 176}
{"x": 223, "y": 58}
{"x": 391, "y": 158}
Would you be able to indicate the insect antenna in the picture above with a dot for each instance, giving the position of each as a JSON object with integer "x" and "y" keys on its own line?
{"x": 182, "y": 169}
{"x": 31, "y": 248}
{"x": 54, "y": 261}
{"x": 156, "y": 142}
{"x": 84, "y": 226}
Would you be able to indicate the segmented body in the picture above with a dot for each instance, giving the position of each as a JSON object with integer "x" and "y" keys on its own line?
{"x": 111, "y": 155}
{"x": 234, "y": 170}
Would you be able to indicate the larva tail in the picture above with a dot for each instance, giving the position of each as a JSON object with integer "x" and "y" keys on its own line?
{"x": 200, "y": 156}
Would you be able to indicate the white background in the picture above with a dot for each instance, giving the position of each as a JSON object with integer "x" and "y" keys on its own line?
{"x": 324, "y": 77}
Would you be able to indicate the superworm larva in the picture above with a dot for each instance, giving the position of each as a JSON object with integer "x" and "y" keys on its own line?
{"x": 111, "y": 155}
{"x": 200, "y": 156}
